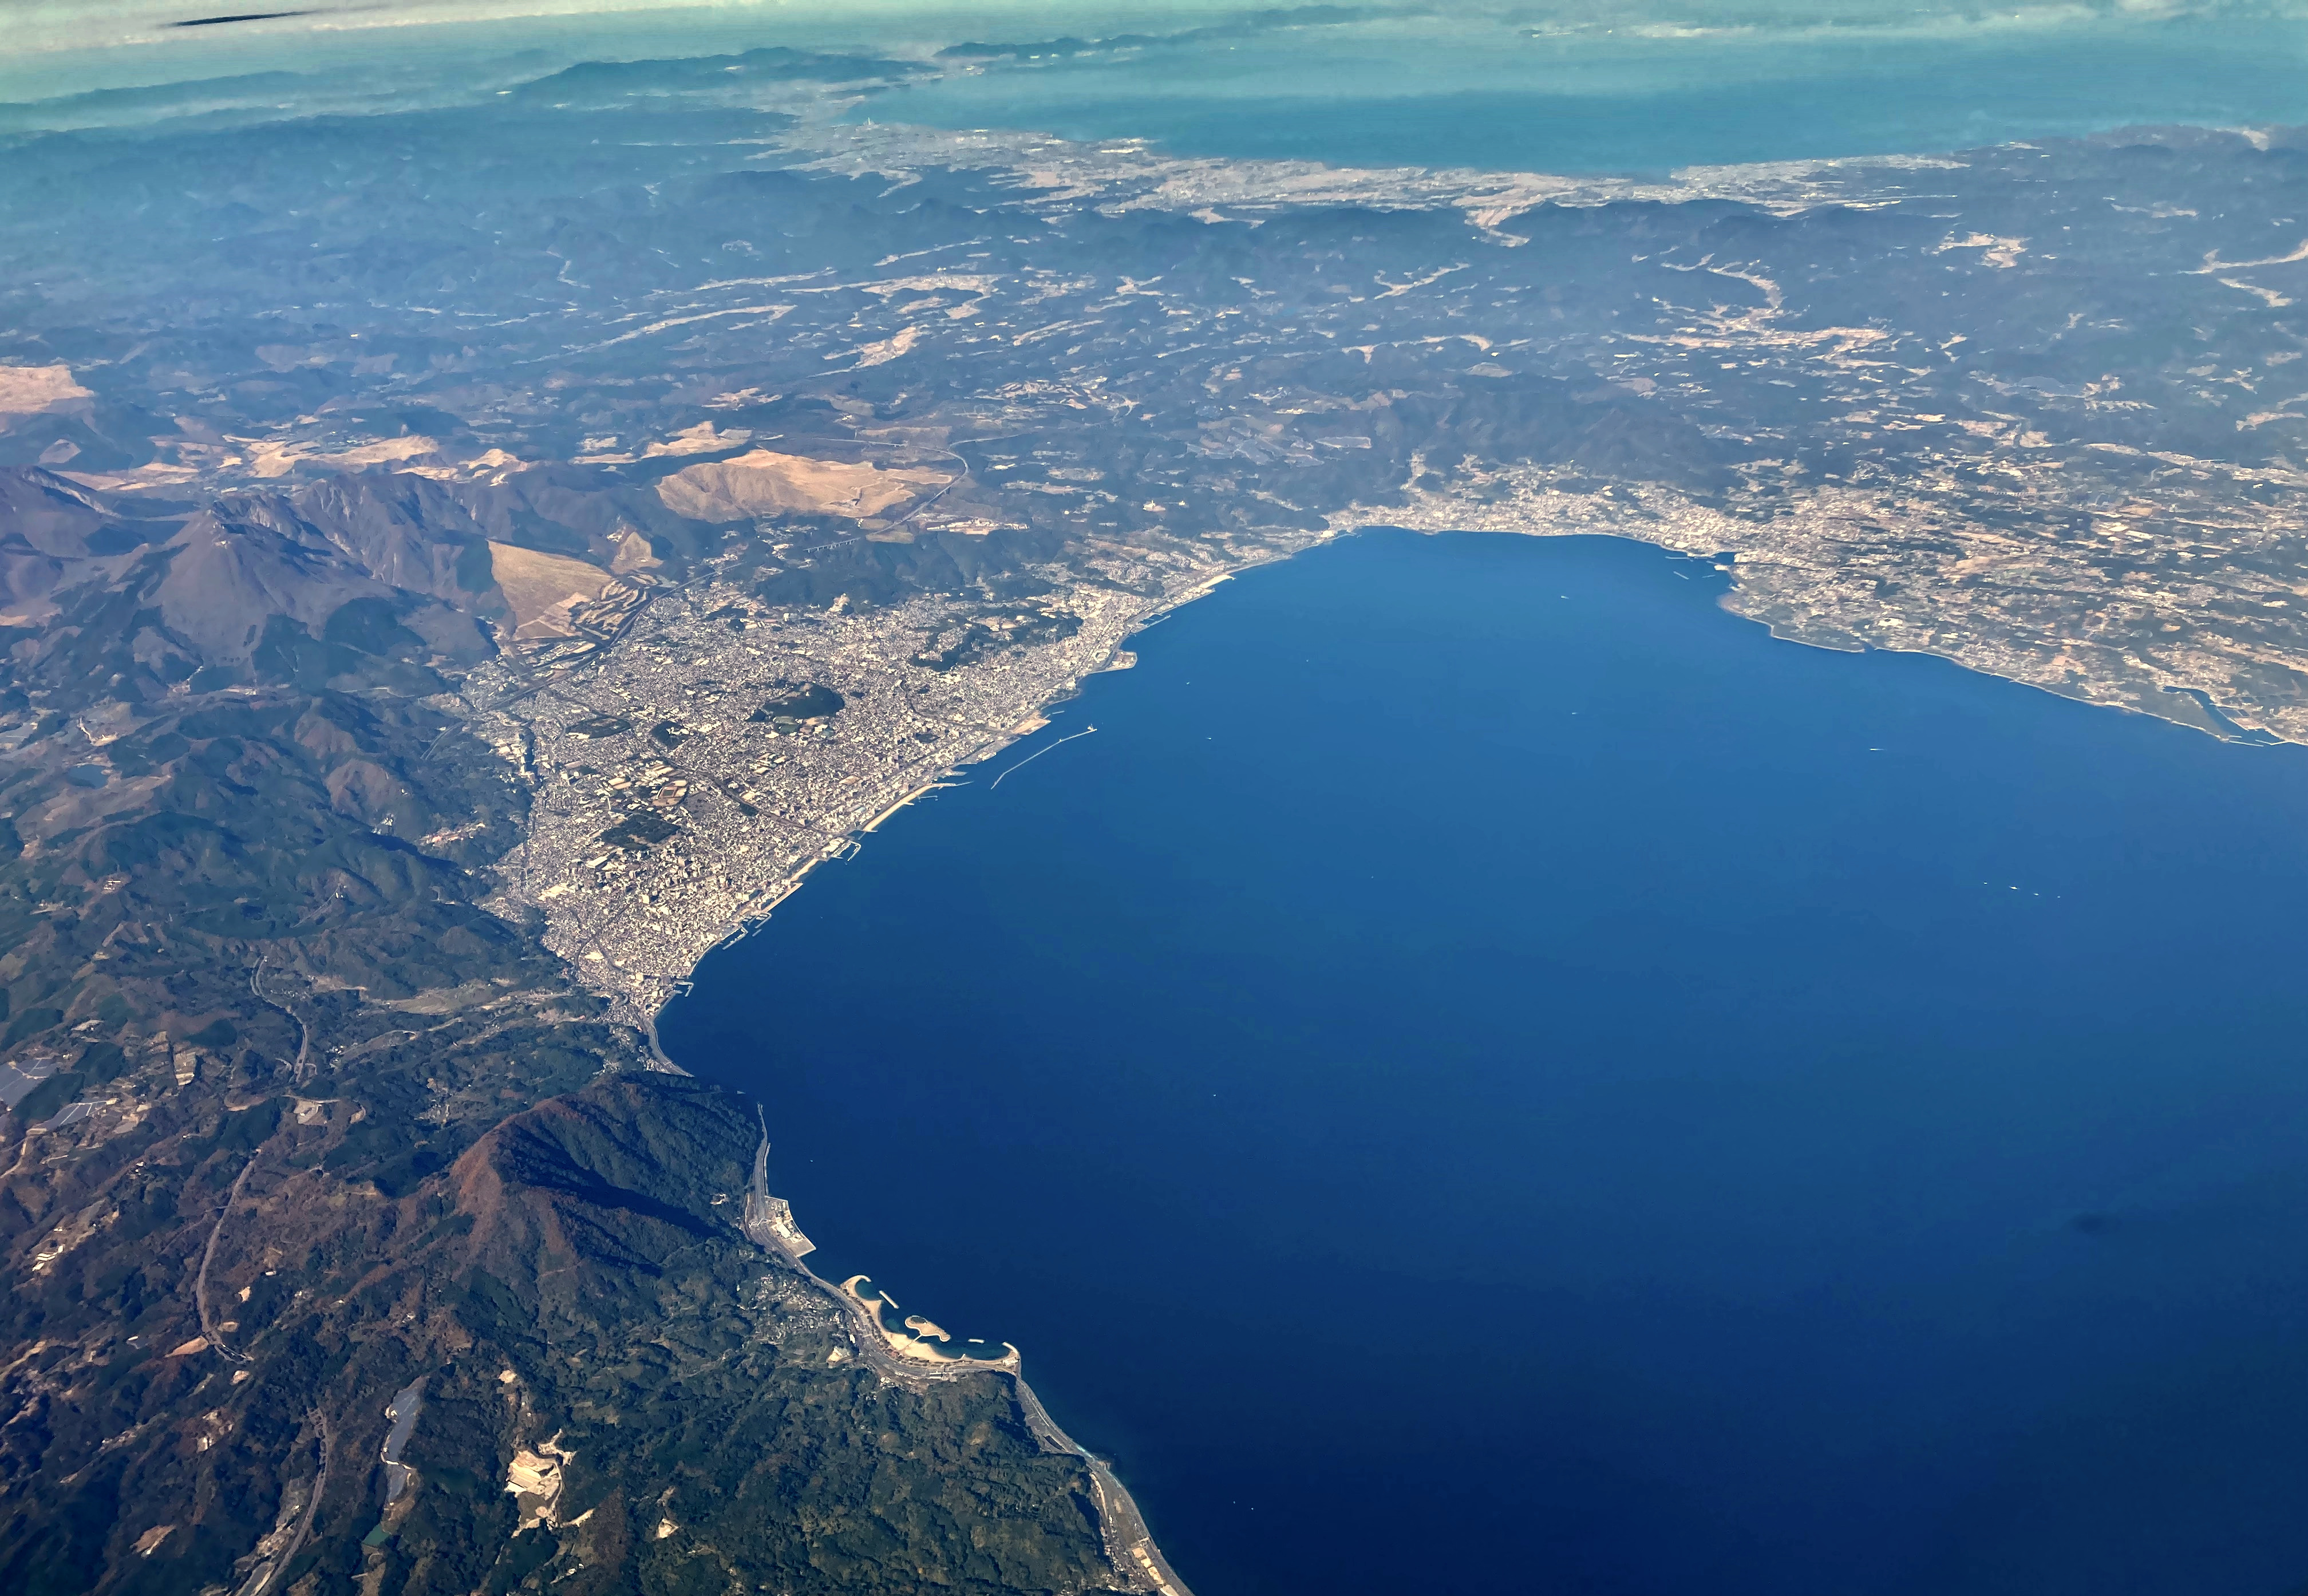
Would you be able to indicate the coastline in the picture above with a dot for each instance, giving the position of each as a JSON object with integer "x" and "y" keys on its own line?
{"x": 1908, "y": 524}
{"x": 1776, "y": 571}
{"x": 1135, "y": 1558}
{"x": 1655, "y": 518}
{"x": 637, "y": 989}
{"x": 1014, "y": 1107}
{"x": 1132, "y": 1551}
{"x": 1130, "y": 1546}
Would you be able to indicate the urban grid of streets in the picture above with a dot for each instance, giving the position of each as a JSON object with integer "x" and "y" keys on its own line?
{"x": 1871, "y": 440}
{"x": 745, "y": 806}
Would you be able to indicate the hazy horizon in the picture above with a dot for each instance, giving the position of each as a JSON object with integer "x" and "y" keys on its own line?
{"x": 59, "y": 50}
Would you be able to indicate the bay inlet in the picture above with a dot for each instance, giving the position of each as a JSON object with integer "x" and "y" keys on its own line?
{"x": 1489, "y": 1071}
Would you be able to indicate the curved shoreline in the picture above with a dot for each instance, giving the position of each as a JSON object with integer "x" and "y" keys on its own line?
{"x": 1137, "y": 1561}
{"x": 1130, "y": 1548}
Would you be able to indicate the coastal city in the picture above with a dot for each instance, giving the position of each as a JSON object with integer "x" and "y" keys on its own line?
{"x": 464, "y": 566}
{"x": 689, "y": 777}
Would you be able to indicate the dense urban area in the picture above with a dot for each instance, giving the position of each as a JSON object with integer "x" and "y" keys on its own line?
{"x": 459, "y": 565}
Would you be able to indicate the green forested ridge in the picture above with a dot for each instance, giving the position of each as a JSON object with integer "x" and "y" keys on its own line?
{"x": 254, "y": 960}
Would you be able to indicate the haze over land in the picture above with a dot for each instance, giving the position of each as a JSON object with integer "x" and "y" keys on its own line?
{"x": 474, "y": 537}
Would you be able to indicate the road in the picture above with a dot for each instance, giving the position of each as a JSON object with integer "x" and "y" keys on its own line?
{"x": 208, "y": 1256}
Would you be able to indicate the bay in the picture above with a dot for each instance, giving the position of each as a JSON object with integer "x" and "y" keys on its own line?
{"x": 1490, "y": 1072}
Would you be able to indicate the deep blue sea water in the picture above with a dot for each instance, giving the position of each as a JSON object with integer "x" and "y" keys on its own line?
{"x": 1489, "y": 1073}
{"x": 1429, "y": 92}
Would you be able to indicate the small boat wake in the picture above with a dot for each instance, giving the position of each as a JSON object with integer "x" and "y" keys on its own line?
{"x": 1036, "y": 754}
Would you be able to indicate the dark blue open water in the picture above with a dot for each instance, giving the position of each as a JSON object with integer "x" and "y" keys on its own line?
{"x": 1488, "y": 1073}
